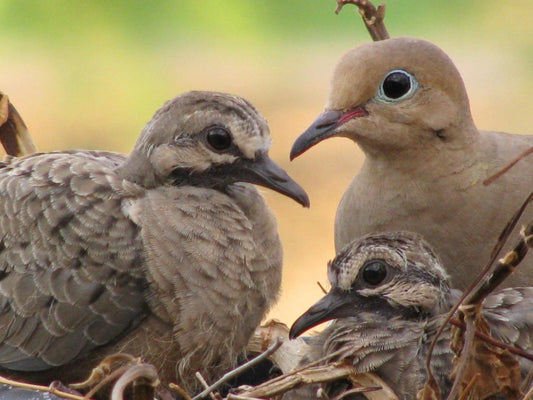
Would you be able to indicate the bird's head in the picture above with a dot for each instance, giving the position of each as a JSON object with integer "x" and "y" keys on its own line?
{"x": 393, "y": 95}
{"x": 208, "y": 139}
{"x": 384, "y": 275}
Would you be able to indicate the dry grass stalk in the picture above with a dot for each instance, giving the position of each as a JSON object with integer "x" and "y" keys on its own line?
{"x": 289, "y": 357}
{"x": 47, "y": 389}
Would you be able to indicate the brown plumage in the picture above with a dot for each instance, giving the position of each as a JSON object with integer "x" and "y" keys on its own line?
{"x": 168, "y": 253}
{"x": 389, "y": 295}
{"x": 404, "y": 103}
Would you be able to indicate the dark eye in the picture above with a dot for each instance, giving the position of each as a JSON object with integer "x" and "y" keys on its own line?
{"x": 218, "y": 138}
{"x": 397, "y": 85}
{"x": 374, "y": 272}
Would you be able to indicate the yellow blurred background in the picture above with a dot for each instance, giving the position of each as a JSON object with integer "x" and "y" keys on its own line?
{"x": 90, "y": 74}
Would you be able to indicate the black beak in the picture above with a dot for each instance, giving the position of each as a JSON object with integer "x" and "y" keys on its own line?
{"x": 325, "y": 126}
{"x": 265, "y": 172}
{"x": 336, "y": 304}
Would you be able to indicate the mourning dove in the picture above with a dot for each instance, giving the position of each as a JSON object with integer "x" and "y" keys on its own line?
{"x": 169, "y": 253}
{"x": 404, "y": 103}
{"x": 389, "y": 295}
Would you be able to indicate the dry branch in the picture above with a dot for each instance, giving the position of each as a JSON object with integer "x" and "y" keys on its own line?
{"x": 497, "y": 369}
{"x": 484, "y": 367}
{"x": 239, "y": 370}
{"x": 47, "y": 389}
{"x": 289, "y": 359}
{"x": 142, "y": 377}
{"x": 481, "y": 286}
{"x": 373, "y": 17}
{"x": 290, "y": 353}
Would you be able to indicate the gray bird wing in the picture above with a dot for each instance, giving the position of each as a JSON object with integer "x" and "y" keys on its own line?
{"x": 510, "y": 316}
{"x": 69, "y": 258}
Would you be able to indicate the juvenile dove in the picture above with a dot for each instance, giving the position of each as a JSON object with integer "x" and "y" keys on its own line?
{"x": 168, "y": 253}
{"x": 389, "y": 295}
{"x": 404, "y": 103}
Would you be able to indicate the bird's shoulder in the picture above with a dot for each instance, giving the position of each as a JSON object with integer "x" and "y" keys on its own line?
{"x": 57, "y": 209}
{"x": 498, "y": 149}
{"x": 85, "y": 175}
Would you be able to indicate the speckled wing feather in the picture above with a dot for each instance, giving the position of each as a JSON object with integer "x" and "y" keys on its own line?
{"x": 510, "y": 315}
{"x": 69, "y": 258}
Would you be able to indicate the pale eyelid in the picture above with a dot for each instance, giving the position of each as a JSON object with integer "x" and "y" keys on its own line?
{"x": 380, "y": 96}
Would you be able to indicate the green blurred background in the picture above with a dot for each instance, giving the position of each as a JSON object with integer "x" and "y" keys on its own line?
{"x": 89, "y": 74}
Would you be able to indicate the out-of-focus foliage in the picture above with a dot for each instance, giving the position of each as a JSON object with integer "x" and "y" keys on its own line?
{"x": 171, "y": 21}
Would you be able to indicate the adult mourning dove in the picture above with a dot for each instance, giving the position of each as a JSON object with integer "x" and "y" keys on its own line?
{"x": 404, "y": 103}
{"x": 389, "y": 295}
{"x": 168, "y": 253}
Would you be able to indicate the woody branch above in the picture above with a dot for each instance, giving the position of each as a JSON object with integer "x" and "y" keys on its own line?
{"x": 373, "y": 17}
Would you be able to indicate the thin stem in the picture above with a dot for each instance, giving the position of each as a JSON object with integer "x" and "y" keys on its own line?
{"x": 40, "y": 388}
{"x": 373, "y": 17}
{"x": 239, "y": 370}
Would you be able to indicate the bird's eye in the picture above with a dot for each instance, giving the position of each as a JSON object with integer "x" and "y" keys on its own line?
{"x": 397, "y": 85}
{"x": 218, "y": 138}
{"x": 374, "y": 272}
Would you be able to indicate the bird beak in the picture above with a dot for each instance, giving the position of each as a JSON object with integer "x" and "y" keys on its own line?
{"x": 265, "y": 172}
{"x": 325, "y": 126}
{"x": 336, "y": 304}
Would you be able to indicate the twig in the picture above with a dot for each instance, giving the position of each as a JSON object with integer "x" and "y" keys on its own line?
{"x": 181, "y": 392}
{"x": 377, "y": 388}
{"x": 471, "y": 308}
{"x": 372, "y": 17}
{"x": 526, "y": 382}
{"x": 504, "y": 267}
{"x": 469, "y": 313}
{"x": 104, "y": 368}
{"x": 284, "y": 383}
{"x": 109, "y": 378}
{"x": 209, "y": 391}
{"x": 40, "y": 388}
{"x": 497, "y": 175}
{"x": 468, "y": 388}
{"x": 321, "y": 287}
{"x": 239, "y": 397}
{"x": 133, "y": 373}
{"x": 528, "y": 395}
{"x": 502, "y": 239}
{"x": 239, "y": 370}
{"x": 356, "y": 390}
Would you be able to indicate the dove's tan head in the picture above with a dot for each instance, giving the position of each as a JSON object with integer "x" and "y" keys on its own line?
{"x": 394, "y": 95}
